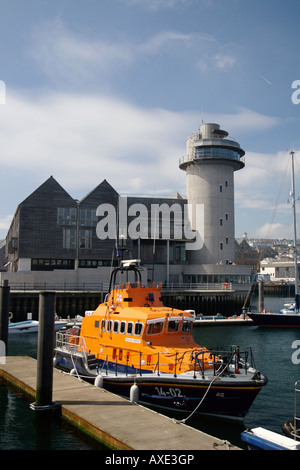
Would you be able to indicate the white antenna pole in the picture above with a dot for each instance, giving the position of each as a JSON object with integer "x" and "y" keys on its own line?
{"x": 295, "y": 225}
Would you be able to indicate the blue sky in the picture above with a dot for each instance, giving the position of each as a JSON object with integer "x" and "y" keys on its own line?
{"x": 110, "y": 89}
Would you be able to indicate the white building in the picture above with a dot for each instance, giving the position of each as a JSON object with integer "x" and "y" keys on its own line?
{"x": 278, "y": 270}
{"x": 210, "y": 162}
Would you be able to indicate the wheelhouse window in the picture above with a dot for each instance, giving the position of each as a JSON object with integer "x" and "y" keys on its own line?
{"x": 130, "y": 328}
{"x": 123, "y": 327}
{"x": 186, "y": 326}
{"x": 155, "y": 328}
{"x": 173, "y": 326}
{"x": 138, "y": 328}
{"x": 116, "y": 326}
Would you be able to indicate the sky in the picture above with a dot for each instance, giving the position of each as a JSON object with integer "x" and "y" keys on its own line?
{"x": 110, "y": 89}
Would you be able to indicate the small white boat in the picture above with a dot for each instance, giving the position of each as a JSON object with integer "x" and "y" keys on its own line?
{"x": 31, "y": 326}
{"x": 260, "y": 438}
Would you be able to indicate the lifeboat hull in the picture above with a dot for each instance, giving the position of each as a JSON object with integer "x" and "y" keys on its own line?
{"x": 229, "y": 396}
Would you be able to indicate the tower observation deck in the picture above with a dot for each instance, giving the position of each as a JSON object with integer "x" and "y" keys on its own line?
{"x": 210, "y": 162}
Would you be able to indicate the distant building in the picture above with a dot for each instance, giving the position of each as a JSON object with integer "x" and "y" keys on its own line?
{"x": 247, "y": 255}
{"x": 280, "y": 271}
{"x": 3, "y": 263}
{"x": 52, "y": 231}
{"x": 53, "y": 235}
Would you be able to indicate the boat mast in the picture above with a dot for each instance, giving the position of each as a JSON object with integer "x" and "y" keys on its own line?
{"x": 295, "y": 226}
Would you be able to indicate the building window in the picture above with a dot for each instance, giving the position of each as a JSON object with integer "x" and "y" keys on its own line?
{"x": 69, "y": 238}
{"x": 180, "y": 254}
{"x": 226, "y": 216}
{"x": 85, "y": 239}
{"x": 66, "y": 216}
{"x": 91, "y": 263}
{"x": 14, "y": 242}
{"x": 221, "y": 246}
{"x": 221, "y": 222}
{"x": 88, "y": 218}
{"x": 51, "y": 264}
{"x": 221, "y": 188}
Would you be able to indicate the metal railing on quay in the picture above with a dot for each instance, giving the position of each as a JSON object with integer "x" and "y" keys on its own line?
{"x": 104, "y": 286}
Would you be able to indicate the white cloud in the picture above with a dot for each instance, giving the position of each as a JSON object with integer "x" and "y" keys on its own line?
{"x": 219, "y": 61}
{"x": 83, "y": 139}
{"x": 224, "y": 61}
{"x": 158, "y": 4}
{"x": 5, "y": 222}
{"x": 165, "y": 39}
{"x": 155, "y": 5}
{"x": 66, "y": 58}
{"x": 61, "y": 55}
{"x": 81, "y": 135}
{"x": 276, "y": 230}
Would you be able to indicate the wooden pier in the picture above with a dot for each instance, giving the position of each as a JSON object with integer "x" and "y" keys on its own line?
{"x": 113, "y": 420}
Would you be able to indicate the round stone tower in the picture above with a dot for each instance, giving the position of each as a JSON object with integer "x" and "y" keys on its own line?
{"x": 210, "y": 162}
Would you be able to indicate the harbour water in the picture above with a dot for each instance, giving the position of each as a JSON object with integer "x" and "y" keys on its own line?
{"x": 272, "y": 349}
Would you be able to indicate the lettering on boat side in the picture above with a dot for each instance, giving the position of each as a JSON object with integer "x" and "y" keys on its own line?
{"x": 186, "y": 223}
{"x": 155, "y": 459}
{"x": 171, "y": 392}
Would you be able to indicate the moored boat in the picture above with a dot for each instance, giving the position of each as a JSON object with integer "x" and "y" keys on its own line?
{"x": 31, "y": 326}
{"x": 276, "y": 319}
{"x": 263, "y": 439}
{"x": 289, "y": 316}
{"x": 134, "y": 345}
{"x": 292, "y": 427}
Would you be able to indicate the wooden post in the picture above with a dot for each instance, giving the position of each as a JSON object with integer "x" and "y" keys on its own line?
{"x": 44, "y": 382}
{"x": 4, "y": 313}
{"x": 260, "y": 296}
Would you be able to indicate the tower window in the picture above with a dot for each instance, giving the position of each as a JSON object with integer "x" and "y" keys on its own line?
{"x": 221, "y": 246}
{"x": 221, "y": 188}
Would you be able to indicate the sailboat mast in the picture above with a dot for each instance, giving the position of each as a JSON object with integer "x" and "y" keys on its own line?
{"x": 295, "y": 225}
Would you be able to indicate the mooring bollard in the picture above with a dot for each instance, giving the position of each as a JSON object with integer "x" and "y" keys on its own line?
{"x": 4, "y": 313}
{"x": 44, "y": 382}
